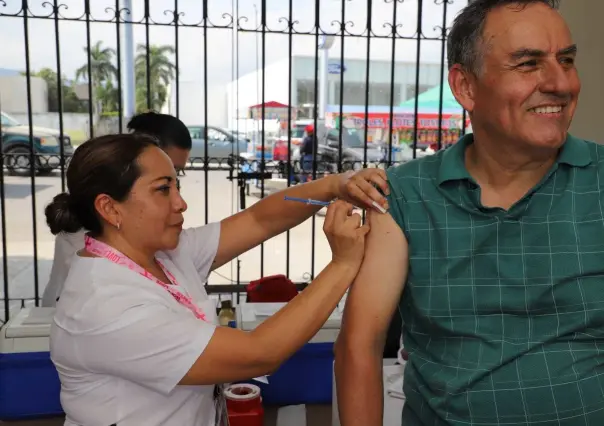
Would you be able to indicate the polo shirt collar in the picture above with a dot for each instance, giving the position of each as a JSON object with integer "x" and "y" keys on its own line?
{"x": 453, "y": 162}
{"x": 575, "y": 153}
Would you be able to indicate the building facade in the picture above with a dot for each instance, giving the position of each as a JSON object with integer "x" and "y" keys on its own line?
{"x": 272, "y": 84}
{"x": 13, "y": 94}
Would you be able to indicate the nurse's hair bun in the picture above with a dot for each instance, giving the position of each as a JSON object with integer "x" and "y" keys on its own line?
{"x": 60, "y": 215}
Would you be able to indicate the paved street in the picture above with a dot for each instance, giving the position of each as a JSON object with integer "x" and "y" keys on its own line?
{"x": 222, "y": 201}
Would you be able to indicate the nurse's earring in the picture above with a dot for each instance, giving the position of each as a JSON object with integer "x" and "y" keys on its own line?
{"x": 118, "y": 226}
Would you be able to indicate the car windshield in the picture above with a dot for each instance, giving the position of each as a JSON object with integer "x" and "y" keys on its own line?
{"x": 351, "y": 138}
{"x": 298, "y": 132}
{"x": 237, "y": 134}
{"x": 8, "y": 121}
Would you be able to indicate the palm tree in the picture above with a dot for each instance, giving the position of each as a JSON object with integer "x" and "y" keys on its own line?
{"x": 103, "y": 72}
{"x": 161, "y": 72}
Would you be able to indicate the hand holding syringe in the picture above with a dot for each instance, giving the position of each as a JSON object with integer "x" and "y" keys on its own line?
{"x": 312, "y": 202}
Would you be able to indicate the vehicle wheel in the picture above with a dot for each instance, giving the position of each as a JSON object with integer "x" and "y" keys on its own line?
{"x": 17, "y": 161}
{"x": 349, "y": 164}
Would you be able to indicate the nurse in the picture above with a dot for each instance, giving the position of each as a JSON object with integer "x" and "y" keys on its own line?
{"x": 174, "y": 138}
{"x": 134, "y": 337}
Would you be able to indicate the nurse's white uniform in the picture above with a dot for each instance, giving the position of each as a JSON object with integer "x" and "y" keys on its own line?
{"x": 66, "y": 246}
{"x": 121, "y": 342}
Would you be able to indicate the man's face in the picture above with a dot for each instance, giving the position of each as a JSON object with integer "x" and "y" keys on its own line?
{"x": 528, "y": 86}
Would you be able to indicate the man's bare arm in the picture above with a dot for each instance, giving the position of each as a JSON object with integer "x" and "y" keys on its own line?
{"x": 371, "y": 302}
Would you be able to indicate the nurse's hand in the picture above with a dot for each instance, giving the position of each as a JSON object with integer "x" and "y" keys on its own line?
{"x": 361, "y": 188}
{"x": 346, "y": 234}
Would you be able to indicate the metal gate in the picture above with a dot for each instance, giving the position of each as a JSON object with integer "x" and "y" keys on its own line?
{"x": 366, "y": 97}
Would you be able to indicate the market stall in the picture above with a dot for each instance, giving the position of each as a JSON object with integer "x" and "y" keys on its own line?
{"x": 403, "y": 116}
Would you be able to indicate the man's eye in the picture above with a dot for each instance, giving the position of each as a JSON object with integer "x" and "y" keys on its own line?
{"x": 178, "y": 184}
{"x": 165, "y": 189}
{"x": 531, "y": 63}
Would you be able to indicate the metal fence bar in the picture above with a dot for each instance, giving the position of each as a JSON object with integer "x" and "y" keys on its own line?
{"x": 88, "y": 66}
{"x": 32, "y": 156}
{"x": 342, "y": 42}
{"x": 148, "y": 55}
{"x": 367, "y": 82}
{"x": 118, "y": 76}
{"x": 3, "y": 224}
{"x": 315, "y": 142}
{"x": 419, "y": 33}
{"x": 443, "y": 47}
{"x": 59, "y": 93}
{"x": 290, "y": 29}
{"x": 263, "y": 115}
{"x": 206, "y": 187}
{"x": 176, "y": 59}
{"x": 392, "y": 79}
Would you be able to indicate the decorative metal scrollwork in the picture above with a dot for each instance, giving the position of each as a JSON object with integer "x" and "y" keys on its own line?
{"x": 285, "y": 25}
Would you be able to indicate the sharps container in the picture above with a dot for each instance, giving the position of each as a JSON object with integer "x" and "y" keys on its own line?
{"x": 244, "y": 405}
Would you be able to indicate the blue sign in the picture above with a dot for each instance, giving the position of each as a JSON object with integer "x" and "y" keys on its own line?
{"x": 335, "y": 68}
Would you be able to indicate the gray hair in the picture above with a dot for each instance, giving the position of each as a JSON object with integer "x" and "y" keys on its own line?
{"x": 463, "y": 44}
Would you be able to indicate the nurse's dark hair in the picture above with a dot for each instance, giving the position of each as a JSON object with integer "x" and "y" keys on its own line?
{"x": 169, "y": 130}
{"x": 103, "y": 165}
{"x": 464, "y": 44}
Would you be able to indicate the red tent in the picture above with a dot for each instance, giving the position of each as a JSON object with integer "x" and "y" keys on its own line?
{"x": 270, "y": 104}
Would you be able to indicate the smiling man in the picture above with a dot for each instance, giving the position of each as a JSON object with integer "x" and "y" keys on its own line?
{"x": 497, "y": 242}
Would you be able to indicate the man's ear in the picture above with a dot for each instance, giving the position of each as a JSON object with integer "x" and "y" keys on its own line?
{"x": 462, "y": 85}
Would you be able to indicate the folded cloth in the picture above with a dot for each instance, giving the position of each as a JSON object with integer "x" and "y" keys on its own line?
{"x": 394, "y": 382}
{"x": 395, "y": 388}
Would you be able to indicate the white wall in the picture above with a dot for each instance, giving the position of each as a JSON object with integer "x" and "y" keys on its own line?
{"x": 13, "y": 94}
{"x": 191, "y": 100}
{"x": 72, "y": 121}
{"x": 76, "y": 125}
{"x": 584, "y": 18}
{"x": 249, "y": 90}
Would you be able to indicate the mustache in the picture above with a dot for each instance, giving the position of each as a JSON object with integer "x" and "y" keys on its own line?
{"x": 553, "y": 98}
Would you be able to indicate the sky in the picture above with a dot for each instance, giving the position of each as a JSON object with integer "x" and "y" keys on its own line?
{"x": 221, "y": 42}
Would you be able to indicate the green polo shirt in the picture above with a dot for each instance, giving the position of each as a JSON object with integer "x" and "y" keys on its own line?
{"x": 503, "y": 311}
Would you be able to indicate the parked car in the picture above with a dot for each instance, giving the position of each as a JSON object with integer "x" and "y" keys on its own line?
{"x": 46, "y": 142}
{"x": 353, "y": 148}
{"x": 239, "y": 134}
{"x": 221, "y": 143}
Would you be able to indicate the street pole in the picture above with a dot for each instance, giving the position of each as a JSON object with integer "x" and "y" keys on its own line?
{"x": 325, "y": 43}
{"x": 128, "y": 68}
{"x": 258, "y": 101}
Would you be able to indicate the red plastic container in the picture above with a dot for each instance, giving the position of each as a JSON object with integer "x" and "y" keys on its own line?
{"x": 244, "y": 405}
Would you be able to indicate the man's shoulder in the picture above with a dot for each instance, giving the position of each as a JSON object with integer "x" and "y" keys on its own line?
{"x": 586, "y": 152}
{"x": 595, "y": 148}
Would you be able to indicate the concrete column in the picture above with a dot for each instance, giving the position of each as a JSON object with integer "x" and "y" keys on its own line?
{"x": 584, "y": 18}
